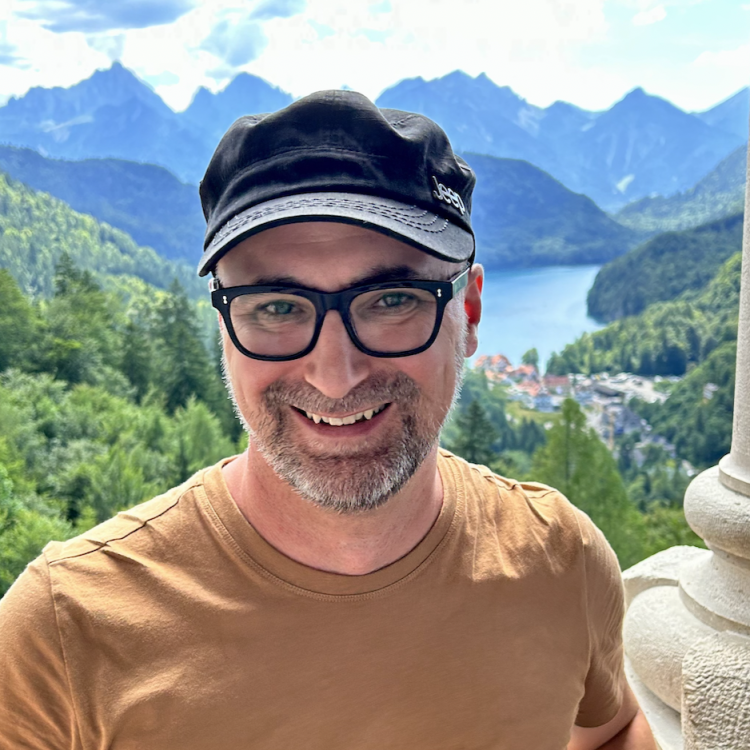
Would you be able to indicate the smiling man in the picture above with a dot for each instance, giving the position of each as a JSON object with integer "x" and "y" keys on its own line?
{"x": 343, "y": 583}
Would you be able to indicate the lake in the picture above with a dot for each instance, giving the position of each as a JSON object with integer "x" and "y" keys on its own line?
{"x": 541, "y": 307}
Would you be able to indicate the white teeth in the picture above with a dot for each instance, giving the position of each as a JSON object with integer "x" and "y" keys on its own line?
{"x": 340, "y": 421}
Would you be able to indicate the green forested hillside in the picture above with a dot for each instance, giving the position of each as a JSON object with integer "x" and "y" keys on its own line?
{"x": 36, "y": 229}
{"x": 694, "y": 335}
{"x": 696, "y": 419}
{"x": 663, "y": 268}
{"x": 667, "y": 338}
{"x": 108, "y": 393}
{"x": 720, "y": 193}
{"x": 145, "y": 201}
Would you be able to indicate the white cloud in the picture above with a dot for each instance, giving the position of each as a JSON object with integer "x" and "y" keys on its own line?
{"x": 111, "y": 45}
{"x": 647, "y": 17}
{"x": 646, "y": 5}
{"x": 639, "y": 5}
{"x": 372, "y": 45}
{"x": 717, "y": 75}
{"x": 95, "y": 16}
{"x": 51, "y": 59}
{"x": 735, "y": 60}
{"x": 235, "y": 40}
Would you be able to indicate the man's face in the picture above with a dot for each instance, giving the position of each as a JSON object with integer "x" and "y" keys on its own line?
{"x": 345, "y": 467}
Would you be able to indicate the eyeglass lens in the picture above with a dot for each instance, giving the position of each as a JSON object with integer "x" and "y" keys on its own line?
{"x": 386, "y": 321}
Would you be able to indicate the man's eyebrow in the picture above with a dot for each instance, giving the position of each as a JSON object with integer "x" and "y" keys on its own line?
{"x": 375, "y": 275}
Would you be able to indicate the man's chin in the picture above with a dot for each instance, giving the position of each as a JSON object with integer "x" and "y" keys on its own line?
{"x": 348, "y": 483}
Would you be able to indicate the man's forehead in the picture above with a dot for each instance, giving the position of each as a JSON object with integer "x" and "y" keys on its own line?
{"x": 295, "y": 253}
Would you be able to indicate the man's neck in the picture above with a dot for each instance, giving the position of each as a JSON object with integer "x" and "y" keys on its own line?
{"x": 349, "y": 544}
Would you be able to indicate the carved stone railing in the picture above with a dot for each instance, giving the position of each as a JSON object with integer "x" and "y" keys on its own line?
{"x": 687, "y": 628}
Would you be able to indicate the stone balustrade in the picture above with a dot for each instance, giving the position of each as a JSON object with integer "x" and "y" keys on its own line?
{"x": 687, "y": 628}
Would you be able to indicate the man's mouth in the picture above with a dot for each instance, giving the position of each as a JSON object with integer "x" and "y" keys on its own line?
{"x": 361, "y": 416}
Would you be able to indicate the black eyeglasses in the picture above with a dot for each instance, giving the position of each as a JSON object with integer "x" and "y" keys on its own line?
{"x": 390, "y": 319}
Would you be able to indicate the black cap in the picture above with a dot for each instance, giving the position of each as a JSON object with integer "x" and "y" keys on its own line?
{"x": 334, "y": 156}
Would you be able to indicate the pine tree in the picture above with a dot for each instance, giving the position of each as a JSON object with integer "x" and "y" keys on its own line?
{"x": 475, "y": 435}
{"x": 531, "y": 357}
{"x": 577, "y": 463}
{"x": 79, "y": 341}
{"x": 183, "y": 363}
{"x": 530, "y": 435}
{"x": 17, "y": 323}
{"x": 137, "y": 358}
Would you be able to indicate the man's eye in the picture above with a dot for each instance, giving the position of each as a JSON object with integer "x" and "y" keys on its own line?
{"x": 278, "y": 308}
{"x": 395, "y": 300}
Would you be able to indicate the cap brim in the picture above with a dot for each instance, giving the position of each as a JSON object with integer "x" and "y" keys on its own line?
{"x": 429, "y": 232}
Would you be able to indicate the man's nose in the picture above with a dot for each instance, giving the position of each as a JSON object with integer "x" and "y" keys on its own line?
{"x": 335, "y": 365}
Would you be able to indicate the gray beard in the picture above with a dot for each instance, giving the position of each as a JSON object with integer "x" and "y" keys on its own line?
{"x": 346, "y": 482}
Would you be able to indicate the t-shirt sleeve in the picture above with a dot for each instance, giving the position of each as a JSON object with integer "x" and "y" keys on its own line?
{"x": 35, "y": 706}
{"x": 605, "y": 599}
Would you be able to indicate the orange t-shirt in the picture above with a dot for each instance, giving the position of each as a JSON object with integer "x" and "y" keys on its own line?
{"x": 175, "y": 626}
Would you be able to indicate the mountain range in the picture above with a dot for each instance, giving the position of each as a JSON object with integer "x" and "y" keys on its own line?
{"x": 212, "y": 114}
{"x": 731, "y": 115}
{"x": 641, "y": 146}
{"x": 110, "y": 114}
{"x": 523, "y": 217}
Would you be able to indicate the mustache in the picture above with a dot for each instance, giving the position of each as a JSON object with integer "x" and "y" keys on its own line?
{"x": 377, "y": 389}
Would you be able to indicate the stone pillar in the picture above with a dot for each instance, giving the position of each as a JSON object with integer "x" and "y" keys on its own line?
{"x": 687, "y": 629}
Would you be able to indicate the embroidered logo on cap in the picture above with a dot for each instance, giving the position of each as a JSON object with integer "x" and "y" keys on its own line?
{"x": 445, "y": 194}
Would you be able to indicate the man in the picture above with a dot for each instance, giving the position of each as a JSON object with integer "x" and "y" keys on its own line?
{"x": 342, "y": 583}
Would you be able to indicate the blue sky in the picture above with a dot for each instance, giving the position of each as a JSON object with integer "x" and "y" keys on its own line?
{"x": 588, "y": 52}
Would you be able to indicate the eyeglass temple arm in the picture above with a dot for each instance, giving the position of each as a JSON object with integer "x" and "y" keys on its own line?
{"x": 459, "y": 283}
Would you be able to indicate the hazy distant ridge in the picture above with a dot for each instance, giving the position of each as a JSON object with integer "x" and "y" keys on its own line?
{"x": 720, "y": 193}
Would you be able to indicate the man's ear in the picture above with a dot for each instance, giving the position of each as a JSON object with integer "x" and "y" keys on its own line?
{"x": 473, "y": 307}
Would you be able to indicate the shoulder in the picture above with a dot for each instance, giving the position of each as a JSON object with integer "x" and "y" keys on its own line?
{"x": 525, "y": 520}
{"x": 129, "y": 527}
{"x": 115, "y": 576}
{"x": 528, "y": 501}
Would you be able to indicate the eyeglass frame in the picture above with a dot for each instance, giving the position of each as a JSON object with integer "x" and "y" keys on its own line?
{"x": 323, "y": 302}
